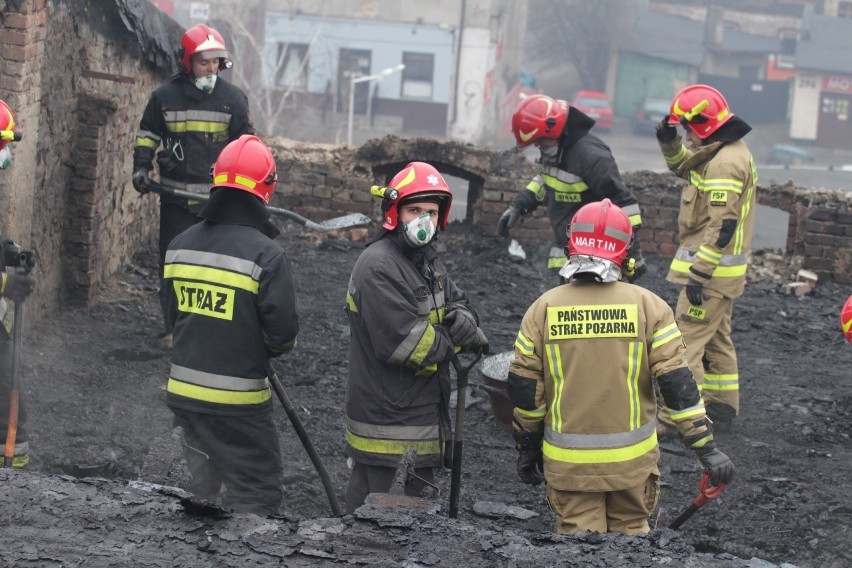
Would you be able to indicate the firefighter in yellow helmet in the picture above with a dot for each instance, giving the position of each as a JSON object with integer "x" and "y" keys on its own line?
{"x": 582, "y": 381}
{"x": 17, "y": 288}
{"x": 232, "y": 306}
{"x": 715, "y": 226}
{"x": 406, "y": 319}
{"x": 190, "y": 120}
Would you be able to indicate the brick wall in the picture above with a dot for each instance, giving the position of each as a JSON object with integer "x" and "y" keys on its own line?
{"x": 77, "y": 75}
{"x": 321, "y": 181}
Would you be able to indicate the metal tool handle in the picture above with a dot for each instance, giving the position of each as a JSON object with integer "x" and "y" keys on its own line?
{"x": 462, "y": 372}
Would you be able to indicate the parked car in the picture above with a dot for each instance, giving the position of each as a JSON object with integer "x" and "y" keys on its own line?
{"x": 648, "y": 115}
{"x": 596, "y": 105}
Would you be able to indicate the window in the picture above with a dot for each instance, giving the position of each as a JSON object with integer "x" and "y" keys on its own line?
{"x": 291, "y": 66}
{"x": 844, "y": 9}
{"x": 417, "y": 75}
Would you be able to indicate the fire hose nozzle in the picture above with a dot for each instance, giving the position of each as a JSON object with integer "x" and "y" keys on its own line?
{"x": 383, "y": 192}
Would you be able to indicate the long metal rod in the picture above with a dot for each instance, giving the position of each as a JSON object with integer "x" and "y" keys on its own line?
{"x": 338, "y": 223}
{"x": 306, "y": 441}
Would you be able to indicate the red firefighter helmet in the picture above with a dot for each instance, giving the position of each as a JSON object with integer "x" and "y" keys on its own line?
{"x": 602, "y": 230}
{"x": 246, "y": 164}
{"x": 846, "y": 320}
{"x": 419, "y": 181}
{"x": 202, "y": 39}
{"x": 538, "y": 116}
{"x": 7, "y": 121}
{"x": 700, "y": 108}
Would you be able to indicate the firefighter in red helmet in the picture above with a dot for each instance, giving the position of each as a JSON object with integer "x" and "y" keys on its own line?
{"x": 406, "y": 318}
{"x": 715, "y": 226}
{"x": 597, "y": 341}
{"x": 185, "y": 125}
{"x": 577, "y": 168}
{"x": 232, "y": 305}
{"x": 846, "y": 319}
{"x": 15, "y": 287}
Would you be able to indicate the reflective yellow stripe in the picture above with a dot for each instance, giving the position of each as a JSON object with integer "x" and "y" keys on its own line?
{"x": 634, "y": 364}
{"x": 612, "y": 455}
{"x": 663, "y": 336}
{"x": 392, "y": 447}
{"x": 554, "y": 362}
{"x": 197, "y": 126}
{"x": 537, "y": 413}
{"x": 560, "y": 186}
{"x": 350, "y": 302}
{"x": 524, "y": 345}
{"x": 146, "y": 143}
{"x": 421, "y": 350}
{"x": 206, "y": 394}
{"x": 536, "y": 186}
{"x": 671, "y": 160}
{"x": 556, "y": 262}
{"x": 207, "y": 274}
{"x": 715, "y": 382}
{"x": 682, "y": 266}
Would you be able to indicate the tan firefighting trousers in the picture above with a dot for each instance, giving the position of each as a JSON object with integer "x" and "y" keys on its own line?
{"x": 626, "y": 511}
{"x": 706, "y": 332}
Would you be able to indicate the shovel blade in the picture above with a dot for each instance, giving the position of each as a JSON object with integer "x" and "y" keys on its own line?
{"x": 390, "y": 500}
{"x": 345, "y": 222}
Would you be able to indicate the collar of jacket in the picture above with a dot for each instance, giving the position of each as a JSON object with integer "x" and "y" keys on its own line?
{"x": 237, "y": 207}
{"x": 577, "y": 125}
{"x": 421, "y": 257}
{"x": 733, "y": 130}
{"x": 703, "y": 154}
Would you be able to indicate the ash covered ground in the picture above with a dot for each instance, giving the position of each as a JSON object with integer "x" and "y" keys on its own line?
{"x": 101, "y": 435}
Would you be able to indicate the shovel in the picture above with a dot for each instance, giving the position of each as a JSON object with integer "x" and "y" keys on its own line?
{"x": 706, "y": 494}
{"x": 396, "y": 497}
{"x": 338, "y": 223}
{"x": 306, "y": 441}
{"x": 462, "y": 371}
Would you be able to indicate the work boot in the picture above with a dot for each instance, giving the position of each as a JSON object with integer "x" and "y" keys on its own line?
{"x": 722, "y": 416}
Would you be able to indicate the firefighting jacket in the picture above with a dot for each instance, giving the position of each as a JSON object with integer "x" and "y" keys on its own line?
{"x": 583, "y": 172}
{"x": 233, "y": 306}
{"x": 193, "y": 127}
{"x": 716, "y": 219}
{"x": 398, "y": 358}
{"x": 585, "y": 359}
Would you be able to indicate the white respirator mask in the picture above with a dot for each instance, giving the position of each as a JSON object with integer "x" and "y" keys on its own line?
{"x": 420, "y": 231}
{"x": 5, "y": 157}
{"x": 205, "y": 83}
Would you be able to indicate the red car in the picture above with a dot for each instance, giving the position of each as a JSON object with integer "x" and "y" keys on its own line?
{"x": 596, "y": 105}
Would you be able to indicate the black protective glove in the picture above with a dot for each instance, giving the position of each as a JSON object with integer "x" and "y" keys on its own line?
{"x": 507, "y": 220}
{"x": 479, "y": 343}
{"x": 666, "y": 132}
{"x": 141, "y": 181}
{"x": 695, "y": 292}
{"x": 461, "y": 324}
{"x": 530, "y": 457}
{"x": 719, "y": 465}
{"x": 16, "y": 287}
